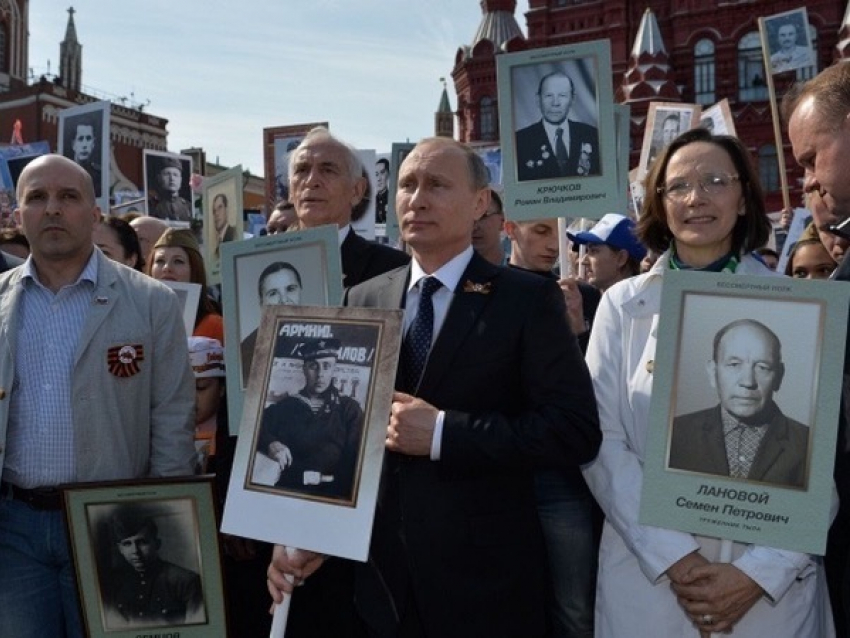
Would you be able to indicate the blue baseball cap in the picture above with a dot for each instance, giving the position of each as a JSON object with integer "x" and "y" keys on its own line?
{"x": 616, "y": 231}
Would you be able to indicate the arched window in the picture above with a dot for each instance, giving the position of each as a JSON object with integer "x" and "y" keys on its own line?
{"x": 768, "y": 168}
{"x": 488, "y": 118}
{"x": 704, "y": 72}
{"x": 752, "y": 85}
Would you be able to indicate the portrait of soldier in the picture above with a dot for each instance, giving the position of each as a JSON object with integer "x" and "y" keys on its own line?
{"x": 746, "y": 435}
{"x": 382, "y": 196}
{"x": 166, "y": 201}
{"x": 556, "y": 146}
{"x": 143, "y": 589}
{"x": 314, "y": 435}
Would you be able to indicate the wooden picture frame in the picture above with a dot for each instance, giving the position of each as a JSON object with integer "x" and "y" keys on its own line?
{"x": 159, "y": 529}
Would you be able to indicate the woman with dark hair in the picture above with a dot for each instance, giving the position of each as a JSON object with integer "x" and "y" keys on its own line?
{"x": 118, "y": 241}
{"x": 704, "y": 211}
{"x": 176, "y": 256}
{"x": 809, "y": 258}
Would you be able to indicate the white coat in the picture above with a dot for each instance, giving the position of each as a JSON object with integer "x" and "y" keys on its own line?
{"x": 633, "y": 595}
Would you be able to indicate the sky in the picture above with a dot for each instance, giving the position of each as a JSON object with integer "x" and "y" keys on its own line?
{"x": 220, "y": 72}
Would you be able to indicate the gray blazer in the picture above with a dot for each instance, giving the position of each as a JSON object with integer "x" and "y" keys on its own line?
{"x": 132, "y": 426}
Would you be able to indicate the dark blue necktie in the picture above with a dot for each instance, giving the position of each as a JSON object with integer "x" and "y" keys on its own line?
{"x": 418, "y": 341}
{"x": 561, "y": 149}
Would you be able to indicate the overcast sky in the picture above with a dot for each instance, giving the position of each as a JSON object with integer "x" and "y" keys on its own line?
{"x": 221, "y": 71}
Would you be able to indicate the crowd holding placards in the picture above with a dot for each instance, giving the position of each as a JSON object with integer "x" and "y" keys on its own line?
{"x": 515, "y": 448}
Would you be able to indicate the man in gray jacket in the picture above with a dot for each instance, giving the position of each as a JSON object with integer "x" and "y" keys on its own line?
{"x": 95, "y": 385}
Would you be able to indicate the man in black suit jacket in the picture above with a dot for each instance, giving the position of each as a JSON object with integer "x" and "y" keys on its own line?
{"x": 746, "y": 435}
{"x": 556, "y": 146}
{"x": 457, "y": 549}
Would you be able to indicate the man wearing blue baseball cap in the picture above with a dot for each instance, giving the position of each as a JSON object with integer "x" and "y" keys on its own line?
{"x": 613, "y": 251}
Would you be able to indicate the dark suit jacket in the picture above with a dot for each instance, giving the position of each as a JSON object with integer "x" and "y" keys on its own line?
{"x": 363, "y": 259}
{"x": 536, "y": 157}
{"x": 697, "y": 445}
{"x": 460, "y": 538}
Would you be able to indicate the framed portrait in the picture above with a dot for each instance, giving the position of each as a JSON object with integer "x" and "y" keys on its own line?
{"x": 383, "y": 208}
{"x": 622, "y": 127}
{"x": 311, "y": 439}
{"x": 84, "y": 138}
{"x": 558, "y": 133}
{"x": 718, "y": 119}
{"x": 363, "y": 216}
{"x": 278, "y": 144}
{"x": 289, "y": 269}
{"x": 13, "y": 159}
{"x": 789, "y": 41}
{"x": 400, "y": 151}
{"x": 744, "y": 408}
{"x": 147, "y": 557}
{"x": 168, "y": 194}
{"x": 664, "y": 122}
{"x": 222, "y": 210}
{"x": 189, "y": 295}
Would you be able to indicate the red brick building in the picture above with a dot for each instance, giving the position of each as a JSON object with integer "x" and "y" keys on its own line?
{"x": 662, "y": 50}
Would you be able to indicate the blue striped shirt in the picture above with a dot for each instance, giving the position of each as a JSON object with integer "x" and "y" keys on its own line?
{"x": 40, "y": 438}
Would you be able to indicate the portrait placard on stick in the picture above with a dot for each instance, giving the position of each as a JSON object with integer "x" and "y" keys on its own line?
{"x": 558, "y": 136}
{"x": 311, "y": 440}
{"x": 745, "y": 408}
{"x": 400, "y": 151}
{"x": 664, "y": 122}
{"x": 167, "y": 189}
{"x": 84, "y": 138}
{"x": 278, "y": 144}
{"x": 222, "y": 209}
{"x": 789, "y": 42}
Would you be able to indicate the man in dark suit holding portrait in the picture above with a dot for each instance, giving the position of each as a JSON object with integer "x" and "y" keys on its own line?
{"x": 556, "y": 146}
{"x": 503, "y": 392}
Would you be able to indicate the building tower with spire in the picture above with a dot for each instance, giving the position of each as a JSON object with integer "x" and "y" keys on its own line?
{"x": 474, "y": 73}
{"x": 444, "y": 119}
{"x": 71, "y": 56}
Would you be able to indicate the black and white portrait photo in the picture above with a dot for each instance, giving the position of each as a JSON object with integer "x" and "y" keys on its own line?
{"x": 664, "y": 122}
{"x": 743, "y": 405}
{"x": 556, "y": 114}
{"x": 789, "y": 43}
{"x": 148, "y": 563}
{"x": 311, "y": 429}
{"x": 84, "y": 138}
{"x": 169, "y": 196}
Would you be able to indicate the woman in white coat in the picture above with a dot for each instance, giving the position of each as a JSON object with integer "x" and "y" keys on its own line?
{"x": 704, "y": 209}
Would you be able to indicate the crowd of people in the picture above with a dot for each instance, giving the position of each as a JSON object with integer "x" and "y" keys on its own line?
{"x": 516, "y": 443}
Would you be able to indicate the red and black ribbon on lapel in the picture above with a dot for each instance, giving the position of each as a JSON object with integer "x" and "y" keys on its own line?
{"x": 123, "y": 361}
